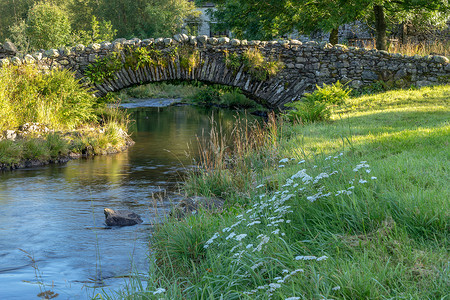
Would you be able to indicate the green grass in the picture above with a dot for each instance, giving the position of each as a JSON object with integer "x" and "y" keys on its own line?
{"x": 382, "y": 233}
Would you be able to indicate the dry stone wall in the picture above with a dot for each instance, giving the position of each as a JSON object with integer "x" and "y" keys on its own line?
{"x": 305, "y": 65}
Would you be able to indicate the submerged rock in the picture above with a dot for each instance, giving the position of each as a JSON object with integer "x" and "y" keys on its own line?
{"x": 121, "y": 217}
{"x": 191, "y": 205}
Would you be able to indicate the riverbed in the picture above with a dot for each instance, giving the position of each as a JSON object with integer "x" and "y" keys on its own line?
{"x": 52, "y": 231}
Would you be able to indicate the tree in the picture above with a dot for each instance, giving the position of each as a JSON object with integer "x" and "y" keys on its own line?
{"x": 48, "y": 26}
{"x": 259, "y": 19}
{"x": 167, "y": 17}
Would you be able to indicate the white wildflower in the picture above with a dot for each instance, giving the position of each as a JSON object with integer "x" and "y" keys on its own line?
{"x": 301, "y": 162}
{"x": 249, "y": 246}
{"x": 336, "y": 288}
{"x": 322, "y": 258}
{"x": 301, "y": 257}
{"x": 283, "y": 161}
{"x": 260, "y": 186}
{"x": 230, "y": 236}
{"x": 373, "y": 178}
{"x": 159, "y": 291}
{"x": 277, "y": 231}
{"x": 293, "y": 298}
{"x": 362, "y": 181}
{"x": 255, "y": 266}
{"x": 240, "y": 237}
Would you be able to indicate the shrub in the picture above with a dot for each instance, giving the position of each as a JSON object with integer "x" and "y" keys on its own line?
{"x": 207, "y": 95}
{"x": 56, "y": 99}
{"x": 317, "y": 105}
{"x": 236, "y": 99}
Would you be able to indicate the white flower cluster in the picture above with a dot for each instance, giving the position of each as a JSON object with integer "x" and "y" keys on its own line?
{"x": 267, "y": 214}
{"x": 271, "y": 287}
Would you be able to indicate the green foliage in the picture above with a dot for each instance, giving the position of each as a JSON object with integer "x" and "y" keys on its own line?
{"x": 316, "y": 106}
{"x": 235, "y": 99}
{"x": 104, "y": 68}
{"x": 254, "y": 63}
{"x": 55, "y": 99}
{"x": 48, "y": 26}
{"x": 18, "y": 35}
{"x": 207, "y": 95}
{"x": 165, "y": 18}
{"x": 98, "y": 32}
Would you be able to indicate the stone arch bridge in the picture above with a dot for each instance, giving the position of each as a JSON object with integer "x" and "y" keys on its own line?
{"x": 291, "y": 68}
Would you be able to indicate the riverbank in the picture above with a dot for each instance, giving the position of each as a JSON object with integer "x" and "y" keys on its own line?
{"x": 51, "y": 118}
{"x": 353, "y": 208}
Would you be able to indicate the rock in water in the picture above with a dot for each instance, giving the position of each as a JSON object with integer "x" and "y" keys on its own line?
{"x": 188, "y": 206}
{"x": 121, "y": 217}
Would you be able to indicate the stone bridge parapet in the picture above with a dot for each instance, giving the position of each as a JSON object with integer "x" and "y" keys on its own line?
{"x": 304, "y": 65}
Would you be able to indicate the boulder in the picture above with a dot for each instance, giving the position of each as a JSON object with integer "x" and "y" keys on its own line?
{"x": 121, "y": 217}
{"x": 191, "y": 205}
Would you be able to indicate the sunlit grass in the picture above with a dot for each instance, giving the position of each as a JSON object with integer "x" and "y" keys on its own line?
{"x": 354, "y": 208}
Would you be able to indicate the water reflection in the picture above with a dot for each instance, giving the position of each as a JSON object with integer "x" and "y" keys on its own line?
{"x": 55, "y": 213}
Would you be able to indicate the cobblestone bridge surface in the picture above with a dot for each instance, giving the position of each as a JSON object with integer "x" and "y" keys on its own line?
{"x": 305, "y": 65}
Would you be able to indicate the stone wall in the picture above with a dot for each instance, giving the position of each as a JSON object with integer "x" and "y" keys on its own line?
{"x": 305, "y": 66}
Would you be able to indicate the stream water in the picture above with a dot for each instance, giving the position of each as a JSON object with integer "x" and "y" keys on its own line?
{"x": 52, "y": 229}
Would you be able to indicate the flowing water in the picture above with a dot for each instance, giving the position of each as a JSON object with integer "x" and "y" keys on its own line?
{"x": 52, "y": 229}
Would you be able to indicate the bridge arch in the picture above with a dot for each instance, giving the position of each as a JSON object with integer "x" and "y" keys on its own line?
{"x": 272, "y": 72}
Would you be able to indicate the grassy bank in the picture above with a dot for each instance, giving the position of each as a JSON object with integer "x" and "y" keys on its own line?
{"x": 354, "y": 208}
{"x": 45, "y": 117}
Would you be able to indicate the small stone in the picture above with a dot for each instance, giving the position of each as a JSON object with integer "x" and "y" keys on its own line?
{"x": 213, "y": 41}
{"x": 422, "y": 83}
{"x": 95, "y": 47}
{"x": 52, "y": 53}
{"x": 80, "y": 48}
{"x": 106, "y": 46}
{"x": 168, "y": 41}
{"x": 193, "y": 40}
{"x": 9, "y": 47}
{"x": 369, "y": 75}
{"x": 440, "y": 59}
{"x": 16, "y": 61}
{"x": 202, "y": 39}
{"x": 235, "y": 42}
{"x": 244, "y": 42}
{"x": 4, "y": 62}
{"x": 64, "y": 62}
{"x": 224, "y": 40}
{"x": 121, "y": 217}
{"x": 29, "y": 59}
{"x": 191, "y": 205}
{"x": 254, "y": 43}
{"x": 10, "y": 135}
{"x": 296, "y": 42}
{"x": 159, "y": 41}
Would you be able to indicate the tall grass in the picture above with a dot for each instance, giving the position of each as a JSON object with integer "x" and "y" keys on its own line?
{"x": 437, "y": 47}
{"x": 353, "y": 209}
{"x": 55, "y": 99}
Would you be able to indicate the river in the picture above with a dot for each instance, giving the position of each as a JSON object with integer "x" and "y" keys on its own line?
{"x": 52, "y": 229}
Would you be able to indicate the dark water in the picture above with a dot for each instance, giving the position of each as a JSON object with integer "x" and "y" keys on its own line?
{"x": 51, "y": 218}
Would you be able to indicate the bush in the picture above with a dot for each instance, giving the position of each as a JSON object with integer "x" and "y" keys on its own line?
{"x": 317, "y": 106}
{"x": 55, "y": 99}
{"x": 236, "y": 99}
{"x": 207, "y": 95}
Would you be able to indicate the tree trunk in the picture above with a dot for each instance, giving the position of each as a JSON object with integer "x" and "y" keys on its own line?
{"x": 334, "y": 38}
{"x": 380, "y": 26}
